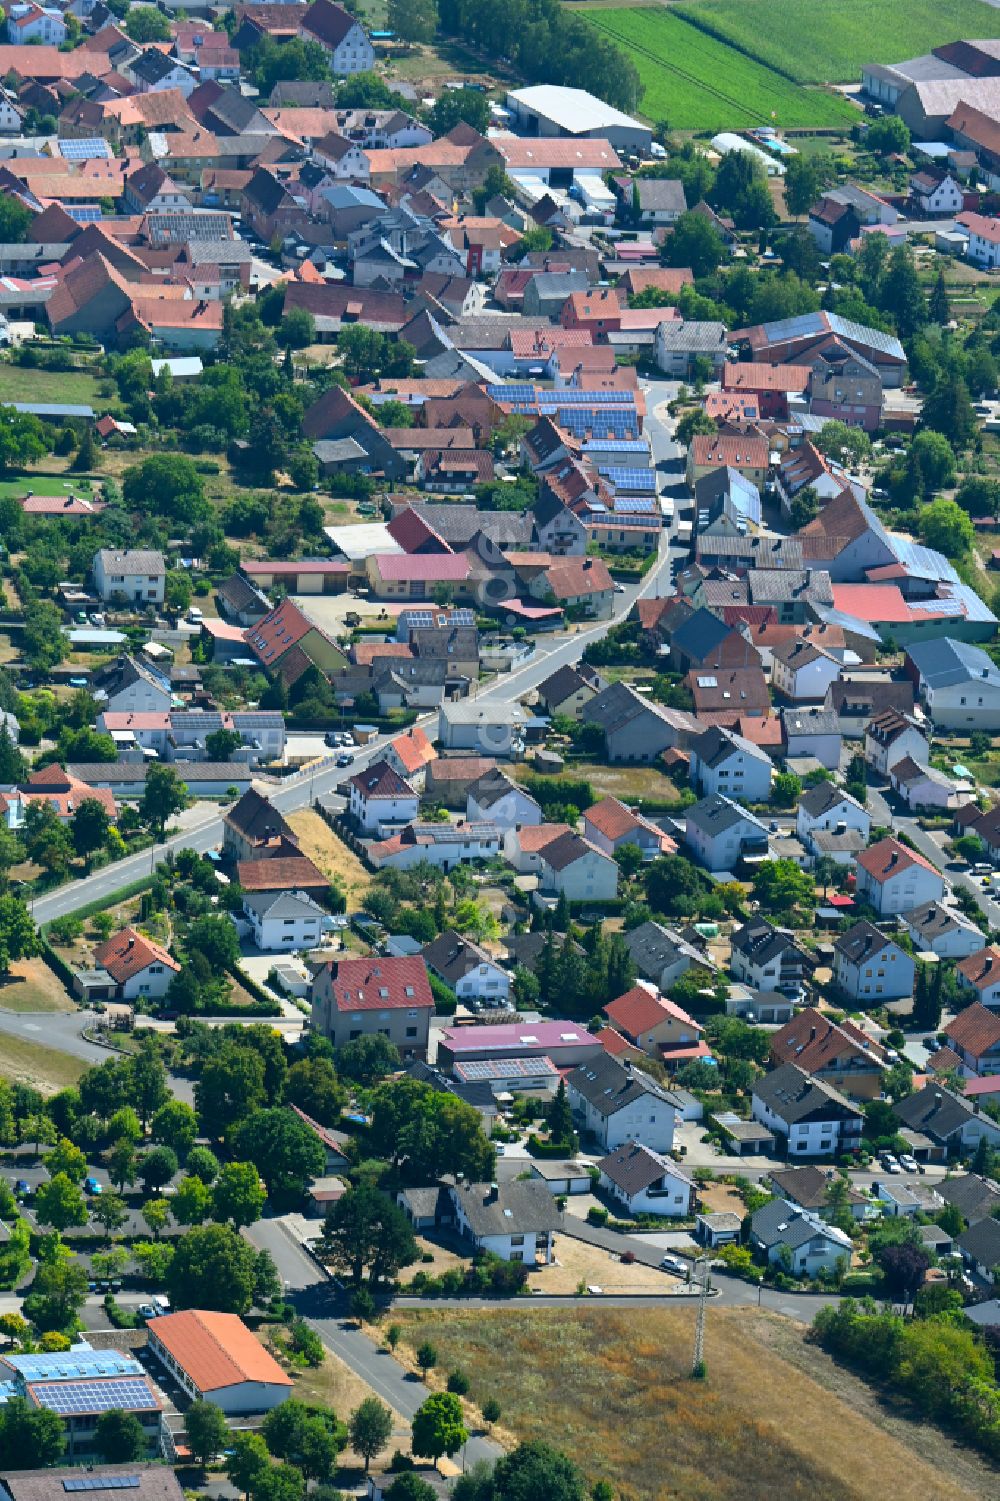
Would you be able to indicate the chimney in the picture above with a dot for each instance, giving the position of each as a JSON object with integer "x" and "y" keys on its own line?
{"x": 130, "y": 944}
{"x": 812, "y": 1034}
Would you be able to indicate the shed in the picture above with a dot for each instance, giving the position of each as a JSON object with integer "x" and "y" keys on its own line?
{"x": 561, "y": 1177}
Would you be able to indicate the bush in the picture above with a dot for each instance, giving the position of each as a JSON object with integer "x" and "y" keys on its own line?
{"x": 458, "y": 1382}
{"x": 596, "y": 1215}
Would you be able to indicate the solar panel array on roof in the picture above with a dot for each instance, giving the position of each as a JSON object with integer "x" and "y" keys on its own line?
{"x": 613, "y": 422}
{"x": 419, "y": 620}
{"x": 129, "y": 1394}
{"x": 446, "y": 833}
{"x": 640, "y": 481}
{"x": 74, "y": 1365}
{"x": 102, "y": 1483}
{"x": 602, "y": 445}
{"x": 84, "y": 213}
{"x": 175, "y": 228}
{"x": 83, "y": 151}
{"x": 636, "y": 504}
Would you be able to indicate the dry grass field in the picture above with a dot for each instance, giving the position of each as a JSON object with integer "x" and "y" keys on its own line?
{"x": 32, "y": 986}
{"x": 45, "y": 1069}
{"x": 318, "y": 841}
{"x": 612, "y": 1387}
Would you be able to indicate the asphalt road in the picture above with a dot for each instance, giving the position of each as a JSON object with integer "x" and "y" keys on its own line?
{"x": 886, "y": 809}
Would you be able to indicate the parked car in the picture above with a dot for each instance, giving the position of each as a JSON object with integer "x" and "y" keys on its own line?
{"x": 147, "y": 1311}
{"x": 91, "y": 1186}
{"x": 675, "y": 1264}
{"x": 889, "y": 1163}
{"x": 332, "y": 738}
{"x": 345, "y": 759}
{"x": 23, "y": 1188}
{"x": 908, "y": 1163}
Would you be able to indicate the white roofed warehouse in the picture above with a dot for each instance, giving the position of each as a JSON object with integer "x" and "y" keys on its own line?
{"x": 547, "y": 109}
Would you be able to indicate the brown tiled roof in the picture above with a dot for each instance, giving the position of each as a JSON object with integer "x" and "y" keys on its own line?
{"x": 280, "y": 873}
{"x": 217, "y": 1350}
{"x": 983, "y": 969}
{"x": 128, "y": 953}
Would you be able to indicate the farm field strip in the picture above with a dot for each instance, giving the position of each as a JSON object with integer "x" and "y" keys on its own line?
{"x": 832, "y": 43}
{"x": 695, "y": 82}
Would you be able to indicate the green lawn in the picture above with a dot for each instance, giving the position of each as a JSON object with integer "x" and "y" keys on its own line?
{"x": 76, "y": 387}
{"x": 830, "y": 42}
{"x": 696, "y": 82}
{"x": 45, "y": 484}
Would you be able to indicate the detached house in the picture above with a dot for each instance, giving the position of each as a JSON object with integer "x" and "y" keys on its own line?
{"x": 959, "y": 683}
{"x": 815, "y": 1119}
{"x": 380, "y": 796}
{"x": 609, "y": 826}
{"x": 720, "y": 833}
{"x": 723, "y": 762}
{"x": 803, "y": 671}
{"x": 944, "y": 931}
{"x": 954, "y": 1125}
{"x": 782, "y": 1230}
{"x": 647, "y": 1183}
{"x": 253, "y": 829}
{"x": 381, "y": 996}
{"x": 283, "y": 921}
{"x": 981, "y": 973}
{"x": 618, "y": 1104}
{"x": 467, "y": 969}
{"x": 870, "y": 967}
{"x": 137, "y": 575}
{"x": 768, "y": 958}
{"x": 891, "y": 737}
{"x": 827, "y": 807}
{"x": 661, "y": 955}
{"x": 974, "y": 1034}
{"x": 893, "y": 878}
{"x": 572, "y": 866}
{"x": 341, "y": 35}
{"x": 137, "y": 966}
{"x": 657, "y": 1025}
{"x": 840, "y": 1054}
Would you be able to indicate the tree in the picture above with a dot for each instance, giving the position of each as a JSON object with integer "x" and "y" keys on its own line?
{"x": 280, "y": 1483}
{"x": 437, "y": 1427}
{"x": 110, "y": 1211}
{"x": 801, "y": 183}
{"x": 313, "y": 1085}
{"x": 370, "y": 1429}
{"x": 409, "y": 1486}
{"x": 491, "y": 1411}
{"x": 122, "y": 1164}
{"x": 741, "y": 191}
{"x": 13, "y": 766}
{"x": 948, "y": 408}
{"x": 693, "y": 422}
{"x": 156, "y": 1213}
{"x": 297, "y": 329}
{"x": 231, "y": 1086}
{"x": 248, "y": 1459}
{"x": 805, "y": 506}
{"x": 67, "y": 1158}
{"x": 460, "y": 107}
{"x": 945, "y": 526}
{"x": 902, "y": 293}
{"x": 238, "y": 1195}
{"x": 60, "y": 1203}
{"x": 904, "y": 1266}
{"x": 282, "y": 1148}
{"x": 18, "y": 934}
{"x": 306, "y": 1437}
{"x": 366, "y": 1230}
{"x": 782, "y": 888}
{"x": 175, "y": 1125}
{"x": 216, "y": 938}
{"x": 57, "y": 1294}
{"x": 23, "y": 439}
{"x": 193, "y": 1202}
{"x": 536, "y": 1472}
{"x": 979, "y": 496}
{"x": 29, "y": 1436}
{"x": 163, "y": 795}
{"x": 43, "y": 641}
{"x": 937, "y": 304}
{"x": 119, "y": 1437}
{"x": 413, "y": 20}
{"x": 695, "y": 242}
{"x": 220, "y": 744}
{"x": 427, "y": 1357}
{"x": 166, "y": 486}
{"x": 213, "y": 1267}
{"x": 849, "y": 445}
{"x": 206, "y": 1431}
{"x": 785, "y": 789}
{"x": 144, "y": 23}
{"x": 367, "y": 1059}
{"x": 559, "y": 1117}
{"x": 430, "y": 1132}
{"x": 157, "y": 1168}
{"x": 15, "y": 218}
{"x": 203, "y": 1164}
{"x": 87, "y": 457}
{"x": 887, "y": 136}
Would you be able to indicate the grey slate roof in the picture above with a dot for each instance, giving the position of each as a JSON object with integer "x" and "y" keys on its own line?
{"x": 760, "y": 941}
{"x": 782, "y": 1224}
{"x": 716, "y": 745}
{"x": 793, "y": 1095}
{"x": 451, "y": 956}
{"x": 933, "y": 920}
{"x": 610, "y": 1086}
{"x": 982, "y": 1242}
{"x": 798, "y": 722}
{"x": 861, "y": 943}
{"x": 715, "y": 813}
{"x": 973, "y": 1196}
{"x": 944, "y": 662}
{"x": 518, "y": 1208}
{"x": 825, "y": 796}
{"x": 653, "y": 947}
{"x": 808, "y": 1186}
{"x": 635, "y": 1167}
{"x": 290, "y": 904}
{"x": 935, "y": 1111}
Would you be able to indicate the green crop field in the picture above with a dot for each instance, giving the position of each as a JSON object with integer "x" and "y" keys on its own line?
{"x": 830, "y": 42}
{"x": 695, "y": 82}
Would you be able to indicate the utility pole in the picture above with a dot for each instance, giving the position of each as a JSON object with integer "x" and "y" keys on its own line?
{"x": 698, "y": 1364}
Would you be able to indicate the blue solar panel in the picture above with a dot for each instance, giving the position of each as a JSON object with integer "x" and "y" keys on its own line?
{"x": 82, "y": 151}
{"x": 130, "y": 1394}
{"x": 603, "y": 445}
{"x": 640, "y": 481}
{"x": 635, "y": 504}
{"x": 102, "y": 1483}
{"x": 84, "y": 215}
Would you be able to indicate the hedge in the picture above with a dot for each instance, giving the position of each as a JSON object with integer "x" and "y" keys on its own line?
{"x": 545, "y": 791}
{"x": 123, "y": 893}
{"x": 556, "y": 1149}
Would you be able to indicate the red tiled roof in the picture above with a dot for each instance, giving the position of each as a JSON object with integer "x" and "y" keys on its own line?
{"x": 283, "y": 628}
{"x": 216, "y": 1350}
{"x": 65, "y": 792}
{"x": 422, "y": 567}
{"x": 614, "y": 1043}
{"x": 719, "y": 450}
{"x": 128, "y": 953}
{"x": 414, "y": 749}
{"x": 981, "y": 970}
{"x": 280, "y": 873}
{"x": 755, "y": 378}
{"x": 888, "y": 858}
{"x": 534, "y": 837}
{"x": 639, "y": 1010}
{"x": 380, "y": 780}
{"x": 571, "y": 578}
{"x": 812, "y": 1042}
{"x": 975, "y": 1029}
{"x": 380, "y": 984}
